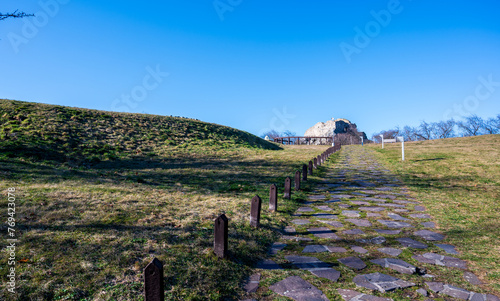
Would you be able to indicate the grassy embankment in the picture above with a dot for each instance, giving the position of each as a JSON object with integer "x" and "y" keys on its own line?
{"x": 99, "y": 194}
{"x": 458, "y": 180}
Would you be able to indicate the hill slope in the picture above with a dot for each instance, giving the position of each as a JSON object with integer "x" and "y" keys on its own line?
{"x": 57, "y": 133}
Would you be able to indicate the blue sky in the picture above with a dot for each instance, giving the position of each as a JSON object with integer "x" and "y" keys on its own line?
{"x": 257, "y": 65}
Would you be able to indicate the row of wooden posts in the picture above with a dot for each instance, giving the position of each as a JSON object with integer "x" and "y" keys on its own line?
{"x": 153, "y": 273}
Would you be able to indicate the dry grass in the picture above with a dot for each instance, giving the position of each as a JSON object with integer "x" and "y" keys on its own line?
{"x": 88, "y": 233}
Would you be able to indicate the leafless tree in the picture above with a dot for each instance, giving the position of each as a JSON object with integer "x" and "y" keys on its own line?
{"x": 15, "y": 14}
{"x": 425, "y": 131}
{"x": 492, "y": 125}
{"x": 288, "y": 133}
{"x": 444, "y": 129}
{"x": 409, "y": 133}
{"x": 471, "y": 126}
{"x": 272, "y": 134}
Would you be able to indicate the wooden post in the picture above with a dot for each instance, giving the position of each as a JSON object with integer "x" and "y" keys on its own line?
{"x": 273, "y": 198}
{"x": 153, "y": 281}
{"x": 310, "y": 168}
{"x": 315, "y": 162}
{"x": 255, "y": 211}
{"x": 288, "y": 189}
{"x": 304, "y": 172}
{"x": 297, "y": 180}
{"x": 220, "y": 233}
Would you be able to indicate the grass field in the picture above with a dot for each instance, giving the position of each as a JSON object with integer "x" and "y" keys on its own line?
{"x": 100, "y": 194}
{"x": 458, "y": 180}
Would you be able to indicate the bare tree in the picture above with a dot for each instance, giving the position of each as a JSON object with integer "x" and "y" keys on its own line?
{"x": 15, "y": 14}
{"x": 471, "y": 126}
{"x": 409, "y": 133}
{"x": 425, "y": 131}
{"x": 289, "y": 133}
{"x": 272, "y": 134}
{"x": 444, "y": 129}
{"x": 492, "y": 125}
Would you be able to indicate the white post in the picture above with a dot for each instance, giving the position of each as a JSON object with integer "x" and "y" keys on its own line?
{"x": 382, "y": 137}
{"x": 402, "y": 139}
{"x": 361, "y": 140}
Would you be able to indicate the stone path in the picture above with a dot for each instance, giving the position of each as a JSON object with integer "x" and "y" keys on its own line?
{"x": 361, "y": 229}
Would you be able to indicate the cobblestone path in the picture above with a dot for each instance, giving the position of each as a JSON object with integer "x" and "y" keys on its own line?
{"x": 363, "y": 237}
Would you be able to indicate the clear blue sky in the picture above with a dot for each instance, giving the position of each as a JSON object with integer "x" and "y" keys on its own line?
{"x": 254, "y": 64}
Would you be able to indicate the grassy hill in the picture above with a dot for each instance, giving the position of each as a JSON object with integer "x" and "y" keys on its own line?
{"x": 99, "y": 194}
{"x": 65, "y": 134}
{"x": 458, "y": 180}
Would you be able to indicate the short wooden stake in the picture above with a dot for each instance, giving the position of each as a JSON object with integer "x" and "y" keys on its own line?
{"x": 153, "y": 281}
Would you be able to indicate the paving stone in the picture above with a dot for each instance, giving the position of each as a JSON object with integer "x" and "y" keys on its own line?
{"x": 353, "y": 232}
{"x": 372, "y": 209}
{"x": 384, "y": 188}
{"x": 323, "y": 232}
{"x": 358, "y": 194}
{"x": 371, "y": 214}
{"x": 420, "y": 215}
{"x": 324, "y": 215}
{"x": 296, "y": 238}
{"x": 472, "y": 279}
{"x": 422, "y": 292}
{"x": 374, "y": 200}
{"x": 316, "y": 197}
{"x": 393, "y": 224}
{"x": 429, "y": 224}
{"x": 353, "y": 262}
{"x": 301, "y": 221}
{"x": 345, "y": 206}
{"x": 289, "y": 230}
{"x": 441, "y": 260}
{"x": 268, "y": 264}
{"x": 324, "y": 208}
{"x": 397, "y": 217}
{"x": 368, "y": 191}
{"x": 362, "y": 203}
{"x": 298, "y": 289}
{"x": 401, "y": 210}
{"x": 332, "y": 201}
{"x": 403, "y": 202}
{"x": 429, "y": 235}
{"x": 335, "y": 224}
{"x": 387, "y": 196}
{"x": 396, "y": 264}
{"x": 392, "y": 205}
{"x": 350, "y": 295}
{"x": 252, "y": 283}
{"x": 315, "y": 249}
{"x": 419, "y": 208}
{"x": 305, "y": 209}
{"x": 435, "y": 286}
{"x": 483, "y": 297}
{"x": 390, "y": 251}
{"x": 455, "y": 292}
{"x": 276, "y": 247}
{"x": 380, "y": 282}
{"x": 333, "y": 249}
{"x": 410, "y": 243}
{"x": 359, "y": 222}
{"x": 350, "y": 213}
{"x": 315, "y": 266}
{"x": 376, "y": 240}
{"x": 359, "y": 250}
{"x": 342, "y": 196}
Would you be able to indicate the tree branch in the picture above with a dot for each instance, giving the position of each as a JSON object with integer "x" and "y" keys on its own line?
{"x": 15, "y": 14}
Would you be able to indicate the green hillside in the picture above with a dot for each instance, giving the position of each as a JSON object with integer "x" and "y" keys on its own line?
{"x": 66, "y": 134}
